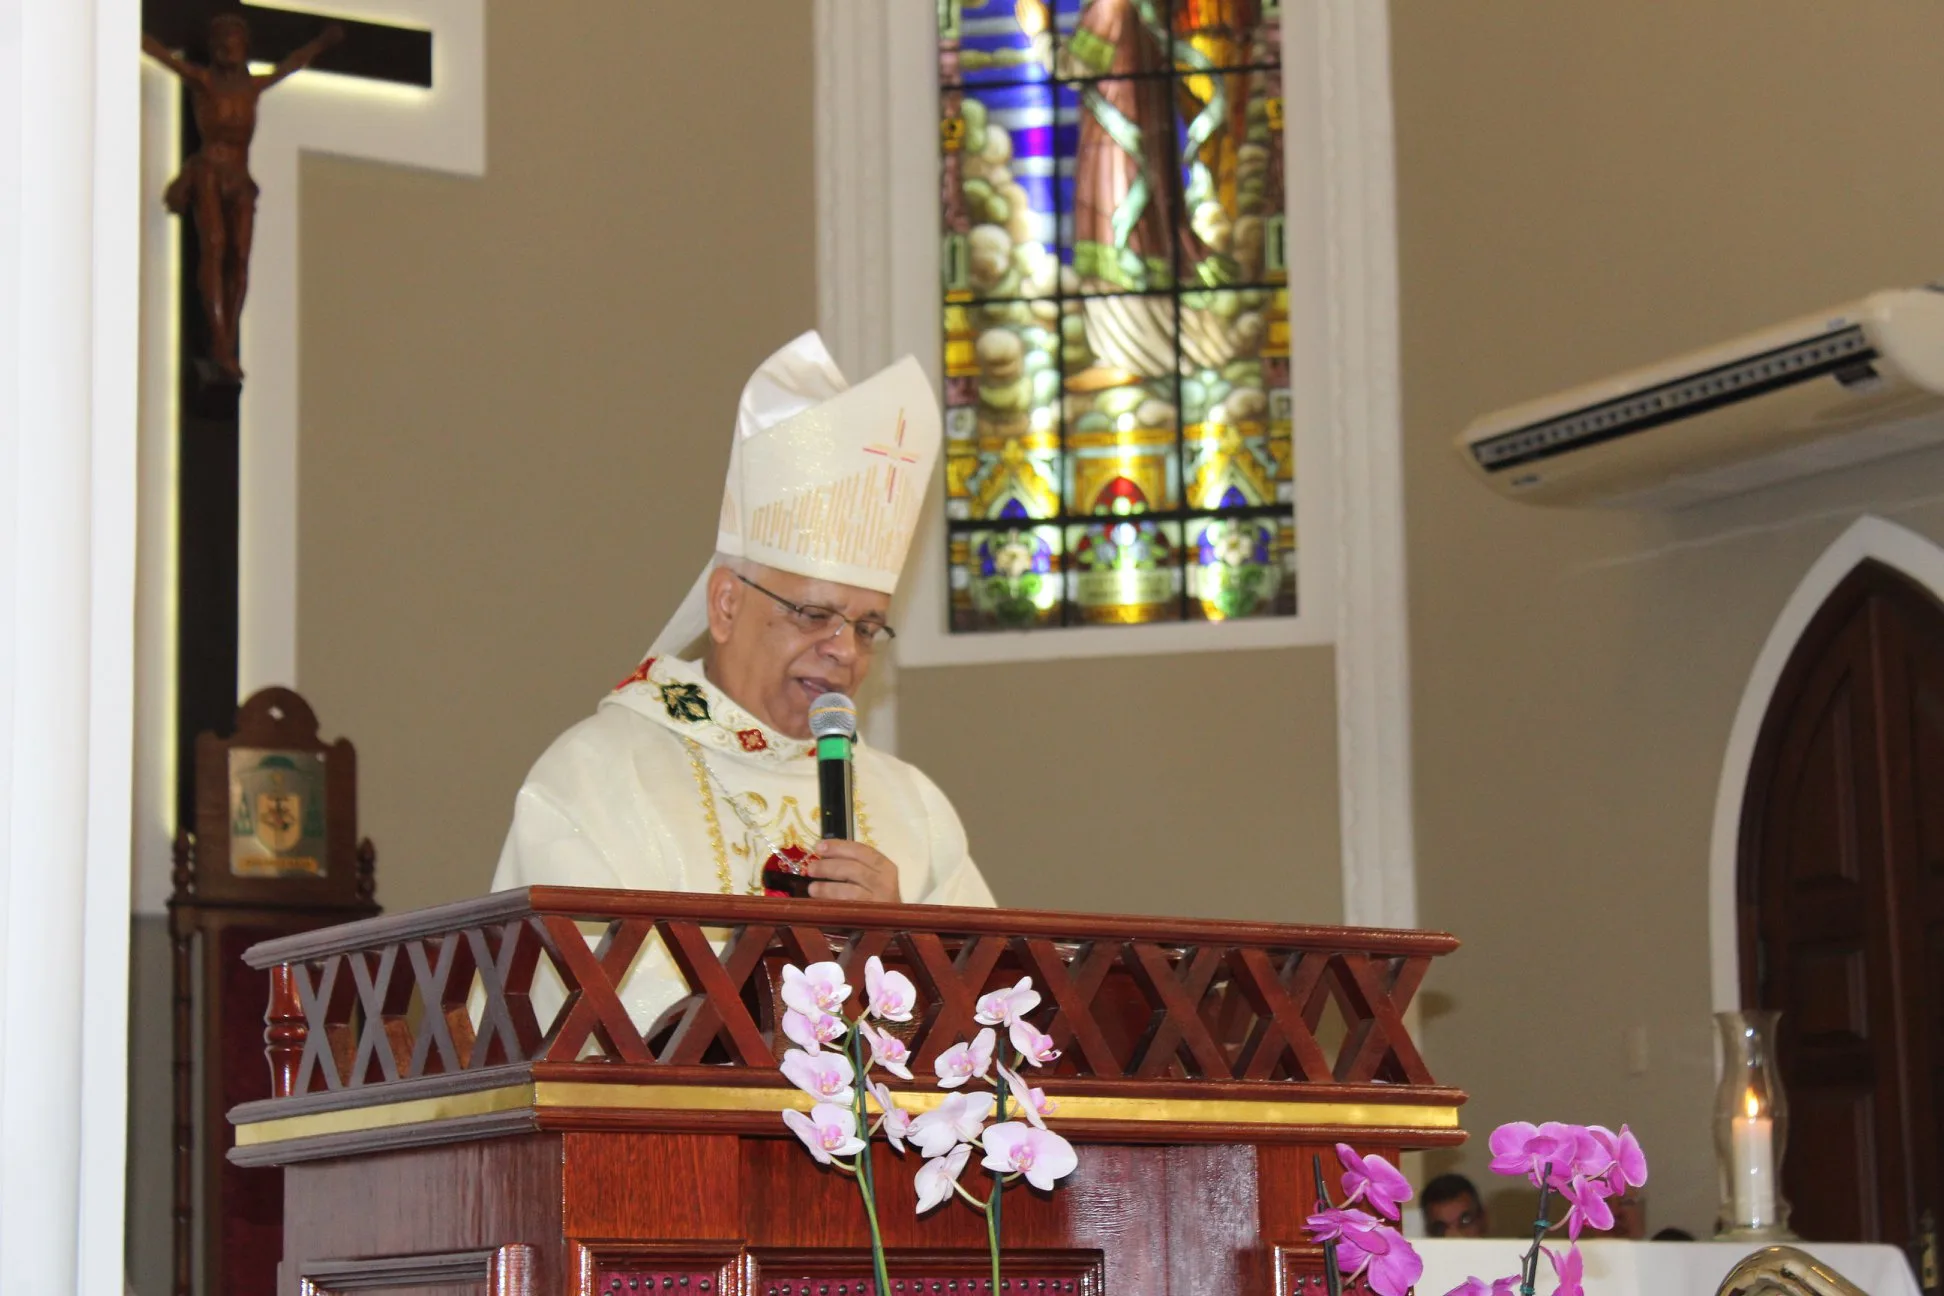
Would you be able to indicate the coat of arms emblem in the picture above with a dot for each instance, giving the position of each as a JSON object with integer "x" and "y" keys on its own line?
{"x": 276, "y": 813}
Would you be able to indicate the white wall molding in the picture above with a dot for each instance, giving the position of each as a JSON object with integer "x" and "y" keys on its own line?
{"x": 442, "y": 129}
{"x": 69, "y": 132}
{"x": 855, "y": 55}
{"x": 1867, "y": 539}
{"x": 877, "y": 159}
{"x": 1336, "y": 81}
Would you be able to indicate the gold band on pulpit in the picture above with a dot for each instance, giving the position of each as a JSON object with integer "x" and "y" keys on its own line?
{"x": 586, "y": 1095}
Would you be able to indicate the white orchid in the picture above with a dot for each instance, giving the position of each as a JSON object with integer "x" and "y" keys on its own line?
{"x": 963, "y": 1061}
{"x": 1014, "y": 1147}
{"x": 819, "y": 988}
{"x": 889, "y": 996}
{"x": 826, "y": 1077}
{"x": 1036, "y": 1047}
{"x": 887, "y": 1050}
{"x": 829, "y": 1131}
{"x": 936, "y": 1177}
{"x": 956, "y": 1120}
{"x": 812, "y": 1032}
{"x": 1004, "y": 1007}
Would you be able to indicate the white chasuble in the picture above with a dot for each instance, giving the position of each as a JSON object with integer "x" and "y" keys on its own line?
{"x": 670, "y": 786}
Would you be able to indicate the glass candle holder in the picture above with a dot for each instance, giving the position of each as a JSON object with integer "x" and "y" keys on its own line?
{"x": 1751, "y": 1128}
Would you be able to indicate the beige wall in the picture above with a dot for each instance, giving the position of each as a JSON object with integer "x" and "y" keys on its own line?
{"x": 1586, "y": 186}
{"x": 1201, "y": 785}
{"x": 517, "y": 395}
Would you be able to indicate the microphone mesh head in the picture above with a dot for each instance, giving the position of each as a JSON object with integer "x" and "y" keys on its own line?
{"x": 832, "y": 715}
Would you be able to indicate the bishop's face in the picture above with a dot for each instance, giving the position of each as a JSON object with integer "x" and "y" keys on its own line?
{"x": 773, "y": 658}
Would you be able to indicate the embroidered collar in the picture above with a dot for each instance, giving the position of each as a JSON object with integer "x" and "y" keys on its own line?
{"x": 676, "y": 695}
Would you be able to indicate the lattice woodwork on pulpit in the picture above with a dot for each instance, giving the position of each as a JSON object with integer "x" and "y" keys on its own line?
{"x": 425, "y": 1001}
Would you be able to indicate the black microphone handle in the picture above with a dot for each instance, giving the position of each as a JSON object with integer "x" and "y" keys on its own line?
{"x": 834, "y": 796}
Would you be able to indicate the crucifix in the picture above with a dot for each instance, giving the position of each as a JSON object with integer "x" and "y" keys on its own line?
{"x": 235, "y": 1213}
{"x": 215, "y": 178}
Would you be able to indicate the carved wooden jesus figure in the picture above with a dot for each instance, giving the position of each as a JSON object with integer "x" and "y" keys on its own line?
{"x": 215, "y": 184}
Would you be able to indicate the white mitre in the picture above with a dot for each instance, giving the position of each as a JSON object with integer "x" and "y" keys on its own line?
{"x": 825, "y": 480}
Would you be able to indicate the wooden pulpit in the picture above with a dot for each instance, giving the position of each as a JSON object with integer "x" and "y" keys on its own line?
{"x": 438, "y": 1135}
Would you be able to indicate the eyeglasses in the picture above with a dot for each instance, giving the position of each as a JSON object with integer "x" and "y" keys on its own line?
{"x": 813, "y": 618}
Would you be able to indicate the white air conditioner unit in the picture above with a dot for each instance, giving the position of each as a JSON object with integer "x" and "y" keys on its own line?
{"x": 1821, "y": 392}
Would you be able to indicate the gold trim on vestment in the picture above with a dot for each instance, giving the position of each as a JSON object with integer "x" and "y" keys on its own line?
{"x": 574, "y": 1094}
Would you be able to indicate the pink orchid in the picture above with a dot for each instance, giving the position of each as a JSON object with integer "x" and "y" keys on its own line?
{"x": 1004, "y": 1007}
{"x": 1570, "y": 1269}
{"x": 1332, "y": 1222}
{"x": 824, "y": 1076}
{"x": 828, "y": 1131}
{"x": 1372, "y": 1179}
{"x": 1629, "y": 1162}
{"x": 935, "y": 1179}
{"x": 1479, "y": 1287}
{"x": 1014, "y": 1147}
{"x": 1589, "y": 1206}
{"x": 1521, "y": 1148}
{"x": 963, "y": 1062}
{"x": 889, "y": 995}
{"x": 896, "y": 1122}
{"x": 887, "y": 1050}
{"x": 956, "y": 1120}
{"x": 818, "y": 988}
{"x": 1037, "y": 1048}
{"x": 1034, "y": 1105}
{"x": 1368, "y": 1247}
{"x": 812, "y": 1032}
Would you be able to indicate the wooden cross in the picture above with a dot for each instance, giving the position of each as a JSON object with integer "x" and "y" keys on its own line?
{"x": 209, "y": 432}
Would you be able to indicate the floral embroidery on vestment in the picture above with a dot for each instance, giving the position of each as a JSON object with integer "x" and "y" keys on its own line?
{"x": 685, "y": 702}
{"x": 640, "y": 675}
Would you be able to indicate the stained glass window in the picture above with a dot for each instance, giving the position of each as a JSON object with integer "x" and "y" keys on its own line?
{"x": 1117, "y": 411}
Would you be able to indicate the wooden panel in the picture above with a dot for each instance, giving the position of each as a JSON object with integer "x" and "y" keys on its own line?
{"x": 1819, "y": 800}
{"x": 1832, "y": 1152}
{"x": 1829, "y": 994}
{"x": 499, "y": 1271}
{"x": 652, "y": 1186}
{"x": 920, "y": 1273}
{"x": 468, "y": 1197}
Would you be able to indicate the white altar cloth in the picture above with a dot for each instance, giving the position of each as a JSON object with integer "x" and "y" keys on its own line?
{"x": 1653, "y": 1268}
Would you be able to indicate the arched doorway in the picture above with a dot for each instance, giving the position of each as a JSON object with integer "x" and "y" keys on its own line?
{"x": 1840, "y": 900}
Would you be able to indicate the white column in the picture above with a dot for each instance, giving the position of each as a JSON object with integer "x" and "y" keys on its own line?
{"x": 68, "y": 130}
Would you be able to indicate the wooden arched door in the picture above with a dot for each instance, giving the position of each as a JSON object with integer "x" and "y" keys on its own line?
{"x": 1841, "y": 892}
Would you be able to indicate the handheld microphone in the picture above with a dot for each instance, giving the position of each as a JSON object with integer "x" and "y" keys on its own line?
{"x": 833, "y": 723}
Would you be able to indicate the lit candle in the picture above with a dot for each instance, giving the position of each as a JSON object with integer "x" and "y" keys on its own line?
{"x": 1754, "y": 1139}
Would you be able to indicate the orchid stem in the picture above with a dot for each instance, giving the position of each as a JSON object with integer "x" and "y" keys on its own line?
{"x": 1529, "y": 1271}
{"x": 998, "y": 1185}
{"x": 866, "y": 1181}
{"x": 1332, "y": 1274}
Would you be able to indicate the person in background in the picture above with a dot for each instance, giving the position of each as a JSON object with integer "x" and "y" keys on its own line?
{"x": 1673, "y": 1235}
{"x": 1629, "y": 1216}
{"x": 1452, "y": 1208}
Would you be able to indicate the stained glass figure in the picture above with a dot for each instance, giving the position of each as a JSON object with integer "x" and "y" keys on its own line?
{"x": 1116, "y": 313}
